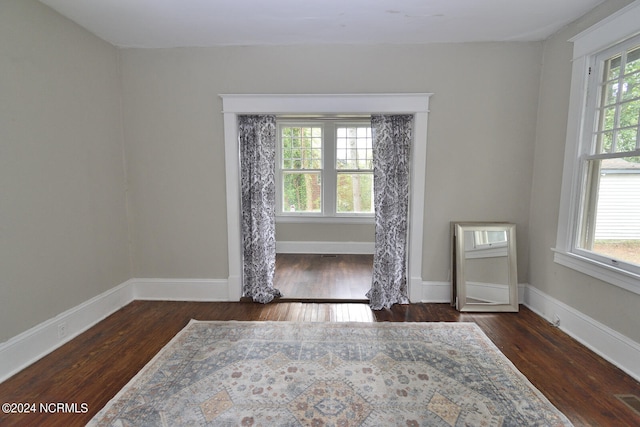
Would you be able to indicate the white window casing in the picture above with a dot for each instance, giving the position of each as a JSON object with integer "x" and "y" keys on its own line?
{"x": 592, "y": 43}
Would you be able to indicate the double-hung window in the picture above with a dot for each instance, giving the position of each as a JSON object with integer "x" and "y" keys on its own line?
{"x": 325, "y": 170}
{"x": 599, "y": 227}
{"x": 609, "y": 211}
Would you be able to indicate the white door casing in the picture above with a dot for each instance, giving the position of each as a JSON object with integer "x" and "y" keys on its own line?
{"x": 404, "y": 103}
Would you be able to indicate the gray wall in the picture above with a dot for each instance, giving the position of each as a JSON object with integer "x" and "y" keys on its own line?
{"x": 63, "y": 230}
{"x": 480, "y": 148}
{"x": 325, "y": 232}
{"x": 608, "y": 304}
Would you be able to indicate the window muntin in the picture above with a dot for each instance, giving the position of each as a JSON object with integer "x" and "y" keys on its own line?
{"x": 608, "y": 226}
{"x": 325, "y": 169}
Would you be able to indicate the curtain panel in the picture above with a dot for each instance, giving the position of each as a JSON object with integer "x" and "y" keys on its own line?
{"x": 392, "y": 137}
{"x": 257, "y": 137}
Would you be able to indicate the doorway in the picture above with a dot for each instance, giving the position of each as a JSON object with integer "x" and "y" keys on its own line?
{"x": 407, "y": 103}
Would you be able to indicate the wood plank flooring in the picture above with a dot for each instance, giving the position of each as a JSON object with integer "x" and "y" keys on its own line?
{"x": 94, "y": 366}
{"x": 323, "y": 277}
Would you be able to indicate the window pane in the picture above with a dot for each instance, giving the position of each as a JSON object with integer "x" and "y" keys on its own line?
{"x": 354, "y": 193}
{"x": 301, "y": 147}
{"x": 626, "y": 140}
{"x": 629, "y": 112}
{"x": 618, "y": 117}
{"x": 316, "y": 155}
{"x": 354, "y": 148}
{"x": 604, "y": 142}
{"x": 609, "y": 118}
{"x": 302, "y": 192}
{"x": 341, "y": 155}
{"x": 612, "y": 68}
{"x": 310, "y": 158}
{"x": 633, "y": 60}
{"x": 611, "y": 219}
{"x": 611, "y": 93}
{"x": 631, "y": 87}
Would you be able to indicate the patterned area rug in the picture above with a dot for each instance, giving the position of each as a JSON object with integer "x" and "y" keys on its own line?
{"x": 329, "y": 374}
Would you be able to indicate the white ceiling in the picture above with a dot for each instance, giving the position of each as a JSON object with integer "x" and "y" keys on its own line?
{"x": 180, "y": 23}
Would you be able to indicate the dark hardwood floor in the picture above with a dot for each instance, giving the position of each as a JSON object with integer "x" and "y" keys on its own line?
{"x": 323, "y": 277}
{"x": 94, "y": 366}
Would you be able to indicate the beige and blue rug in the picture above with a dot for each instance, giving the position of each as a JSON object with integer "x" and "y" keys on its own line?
{"x": 329, "y": 374}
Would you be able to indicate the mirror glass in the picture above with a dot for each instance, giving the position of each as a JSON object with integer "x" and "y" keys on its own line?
{"x": 484, "y": 267}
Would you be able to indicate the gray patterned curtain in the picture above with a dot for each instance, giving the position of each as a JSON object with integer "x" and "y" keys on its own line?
{"x": 257, "y": 135}
{"x": 392, "y": 136}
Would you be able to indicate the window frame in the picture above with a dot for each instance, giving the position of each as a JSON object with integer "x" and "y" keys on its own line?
{"x": 329, "y": 172}
{"x": 590, "y": 46}
{"x": 281, "y": 170}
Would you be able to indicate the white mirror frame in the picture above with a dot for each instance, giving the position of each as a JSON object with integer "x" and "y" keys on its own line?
{"x": 410, "y": 103}
{"x": 459, "y": 279}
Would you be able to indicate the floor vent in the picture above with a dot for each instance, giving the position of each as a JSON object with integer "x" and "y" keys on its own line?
{"x": 632, "y": 401}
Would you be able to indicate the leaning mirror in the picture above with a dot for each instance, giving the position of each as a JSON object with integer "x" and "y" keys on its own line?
{"x": 484, "y": 266}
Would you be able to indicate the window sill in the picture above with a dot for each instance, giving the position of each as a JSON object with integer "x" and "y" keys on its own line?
{"x": 318, "y": 219}
{"x": 610, "y": 274}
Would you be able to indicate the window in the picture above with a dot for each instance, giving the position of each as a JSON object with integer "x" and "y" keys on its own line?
{"x": 599, "y": 224}
{"x": 608, "y": 227}
{"x": 325, "y": 169}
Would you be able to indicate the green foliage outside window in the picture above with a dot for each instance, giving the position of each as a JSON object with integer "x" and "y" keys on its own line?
{"x": 302, "y": 161}
{"x": 621, "y": 104}
{"x": 303, "y": 164}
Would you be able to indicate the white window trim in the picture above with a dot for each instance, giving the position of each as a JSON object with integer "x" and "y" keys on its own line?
{"x": 614, "y": 29}
{"x": 329, "y": 172}
{"x": 402, "y": 103}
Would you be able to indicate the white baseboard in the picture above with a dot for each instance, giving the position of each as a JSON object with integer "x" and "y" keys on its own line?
{"x": 355, "y": 248}
{"x": 435, "y": 292}
{"x": 609, "y": 344}
{"x": 602, "y": 340}
{"x": 440, "y": 292}
{"x": 24, "y": 349}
